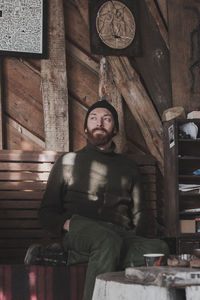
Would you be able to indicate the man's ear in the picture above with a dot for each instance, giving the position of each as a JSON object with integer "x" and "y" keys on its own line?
{"x": 114, "y": 132}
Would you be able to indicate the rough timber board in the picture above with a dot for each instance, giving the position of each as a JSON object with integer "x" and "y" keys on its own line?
{"x": 183, "y": 20}
{"x": 54, "y": 82}
{"x": 163, "y": 276}
{"x": 23, "y": 99}
{"x": 153, "y": 64}
{"x": 76, "y": 29}
{"x": 115, "y": 286}
{"x": 82, "y": 83}
{"x": 16, "y": 139}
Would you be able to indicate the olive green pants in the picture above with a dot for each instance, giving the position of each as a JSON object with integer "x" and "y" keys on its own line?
{"x": 105, "y": 247}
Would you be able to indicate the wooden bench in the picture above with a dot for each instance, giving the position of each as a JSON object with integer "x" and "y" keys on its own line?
{"x": 23, "y": 177}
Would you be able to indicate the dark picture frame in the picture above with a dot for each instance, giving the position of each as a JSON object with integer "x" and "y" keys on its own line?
{"x": 23, "y": 28}
{"x": 97, "y": 46}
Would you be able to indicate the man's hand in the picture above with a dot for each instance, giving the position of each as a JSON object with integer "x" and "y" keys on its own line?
{"x": 66, "y": 225}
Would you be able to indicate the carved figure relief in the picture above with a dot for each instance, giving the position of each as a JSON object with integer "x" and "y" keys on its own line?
{"x": 115, "y": 25}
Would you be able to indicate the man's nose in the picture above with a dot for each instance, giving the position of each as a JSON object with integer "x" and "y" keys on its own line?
{"x": 100, "y": 122}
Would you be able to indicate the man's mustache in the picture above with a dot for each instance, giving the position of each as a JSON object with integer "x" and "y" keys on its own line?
{"x": 101, "y": 129}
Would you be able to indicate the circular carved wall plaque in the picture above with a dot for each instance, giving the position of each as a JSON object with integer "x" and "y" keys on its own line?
{"x": 115, "y": 25}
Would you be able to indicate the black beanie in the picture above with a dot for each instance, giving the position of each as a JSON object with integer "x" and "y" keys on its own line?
{"x": 103, "y": 104}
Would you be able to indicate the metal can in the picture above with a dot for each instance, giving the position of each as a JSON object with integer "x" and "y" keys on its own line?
{"x": 197, "y": 223}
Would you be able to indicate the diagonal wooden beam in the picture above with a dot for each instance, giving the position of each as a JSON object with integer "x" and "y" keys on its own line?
{"x": 139, "y": 103}
{"x": 24, "y": 132}
{"x": 82, "y": 6}
{"x": 155, "y": 13}
{"x": 163, "y": 8}
{"x": 83, "y": 58}
{"x": 54, "y": 82}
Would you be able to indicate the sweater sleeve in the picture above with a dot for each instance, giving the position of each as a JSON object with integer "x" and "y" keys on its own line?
{"x": 51, "y": 213}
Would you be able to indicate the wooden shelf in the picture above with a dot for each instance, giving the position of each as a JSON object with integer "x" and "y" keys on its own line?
{"x": 190, "y": 179}
{"x": 182, "y": 158}
{"x": 191, "y": 235}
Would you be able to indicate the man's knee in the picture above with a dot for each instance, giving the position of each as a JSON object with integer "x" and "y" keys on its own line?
{"x": 111, "y": 243}
{"x": 164, "y": 247}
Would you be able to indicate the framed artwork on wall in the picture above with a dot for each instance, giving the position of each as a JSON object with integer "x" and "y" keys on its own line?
{"x": 23, "y": 28}
{"x": 114, "y": 27}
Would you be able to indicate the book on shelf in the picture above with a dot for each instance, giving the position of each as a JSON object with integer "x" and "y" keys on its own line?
{"x": 189, "y": 187}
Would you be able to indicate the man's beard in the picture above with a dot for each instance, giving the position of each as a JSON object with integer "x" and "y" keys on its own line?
{"x": 99, "y": 139}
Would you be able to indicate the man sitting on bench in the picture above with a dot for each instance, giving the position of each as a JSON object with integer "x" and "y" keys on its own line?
{"x": 94, "y": 201}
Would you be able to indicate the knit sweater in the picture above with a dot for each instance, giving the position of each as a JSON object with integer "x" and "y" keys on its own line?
{"x": 97, "y": 184}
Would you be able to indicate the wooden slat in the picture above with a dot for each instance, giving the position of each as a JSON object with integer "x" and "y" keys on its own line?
{"x": 13, "y": 204}
{"x": 7, "y": 253}
{"x": 21, "y": 185}
{"x": 30, "y": 233}
{"x": 18, "y": 214}
{"x": 13, "y": 243}
{"x": 24, "y": 176}
{"x": 12, "y": 166}
{"x": 20, "y": 224}
{"x": 23, "y": 242}
{"x": 12, "y": 260}
{"x": 21, "y": 195}
{"x": 33, "y": 156}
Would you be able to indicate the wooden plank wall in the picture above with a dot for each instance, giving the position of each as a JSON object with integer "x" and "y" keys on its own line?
{"x": 22, "y": 101}
{"x": 22, "y": 96}
{"x": 185, "y": 52}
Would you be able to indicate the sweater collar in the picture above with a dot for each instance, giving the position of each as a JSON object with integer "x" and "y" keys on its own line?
{"x": 110, "y": 150}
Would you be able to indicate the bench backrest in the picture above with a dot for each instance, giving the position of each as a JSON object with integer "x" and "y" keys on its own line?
{"x": 23, "y": 177}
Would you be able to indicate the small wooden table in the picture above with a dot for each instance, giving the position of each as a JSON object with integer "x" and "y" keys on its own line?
{"x": 152, "y": 283}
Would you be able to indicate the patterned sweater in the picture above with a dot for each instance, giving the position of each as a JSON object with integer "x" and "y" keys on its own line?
{"x": 93, "y": 183}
